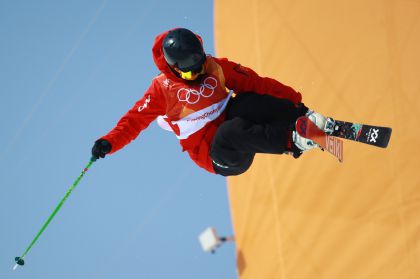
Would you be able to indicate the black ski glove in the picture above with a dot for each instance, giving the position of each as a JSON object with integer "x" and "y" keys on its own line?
{"x": 301, "y": 109}
{"x": 101, "y": 148}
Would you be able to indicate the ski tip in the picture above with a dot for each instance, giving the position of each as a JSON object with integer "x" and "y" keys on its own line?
{"x": 386, "y": 137}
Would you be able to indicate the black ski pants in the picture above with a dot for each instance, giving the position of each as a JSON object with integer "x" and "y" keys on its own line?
{"x": 255, "y": 123}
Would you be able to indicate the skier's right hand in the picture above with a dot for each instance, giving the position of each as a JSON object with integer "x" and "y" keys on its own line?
{"x": 101, "y": 148}
{"x": 301, "y": 109}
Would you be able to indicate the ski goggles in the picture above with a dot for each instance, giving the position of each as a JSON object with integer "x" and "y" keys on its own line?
{"x": 191, "y": 73}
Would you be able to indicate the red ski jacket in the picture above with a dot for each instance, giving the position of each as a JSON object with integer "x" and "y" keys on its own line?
{"x": 192, "y": 110}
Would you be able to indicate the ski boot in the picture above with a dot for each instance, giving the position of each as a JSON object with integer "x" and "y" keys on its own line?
{"x": 326, "y": 124}
{"x": 303, "y": 144}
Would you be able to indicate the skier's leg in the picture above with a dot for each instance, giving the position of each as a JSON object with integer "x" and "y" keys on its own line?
{"x": 237, "y": 140}
{"x": 264, "y": 108}
{"x": 256, "y": 124}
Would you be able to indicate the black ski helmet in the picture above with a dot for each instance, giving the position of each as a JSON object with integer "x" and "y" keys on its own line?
{"x": 182, "y": 49}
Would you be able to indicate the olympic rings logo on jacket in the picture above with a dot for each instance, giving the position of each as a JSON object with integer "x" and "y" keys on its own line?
{"x": 192, "y": 96}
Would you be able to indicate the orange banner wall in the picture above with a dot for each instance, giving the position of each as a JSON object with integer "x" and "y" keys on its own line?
{"x": 313, "y": 217}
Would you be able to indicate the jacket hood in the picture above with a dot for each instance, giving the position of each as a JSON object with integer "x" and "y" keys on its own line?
{"x": 158, "y": 57}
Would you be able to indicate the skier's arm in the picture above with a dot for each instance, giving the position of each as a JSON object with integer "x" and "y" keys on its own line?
{"x": 138, "y": 118}
{"x": 243, "y": 79}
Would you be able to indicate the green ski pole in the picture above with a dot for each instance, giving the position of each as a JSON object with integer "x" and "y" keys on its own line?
{"x": 19, "y": 260}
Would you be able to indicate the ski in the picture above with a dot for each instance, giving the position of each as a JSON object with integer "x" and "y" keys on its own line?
{"x": 368, "y": 134}
{"x": 307, "y": 129}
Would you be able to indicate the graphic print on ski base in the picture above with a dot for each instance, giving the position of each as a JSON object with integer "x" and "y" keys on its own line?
{"x": 369, "y": 134}
{"x": 307, "y": 129}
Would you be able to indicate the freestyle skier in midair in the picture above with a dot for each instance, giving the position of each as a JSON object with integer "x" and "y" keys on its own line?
{"x": 223, "y": 113}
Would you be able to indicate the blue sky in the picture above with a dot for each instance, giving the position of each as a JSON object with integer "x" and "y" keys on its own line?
{"x": 69, "y": 71}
